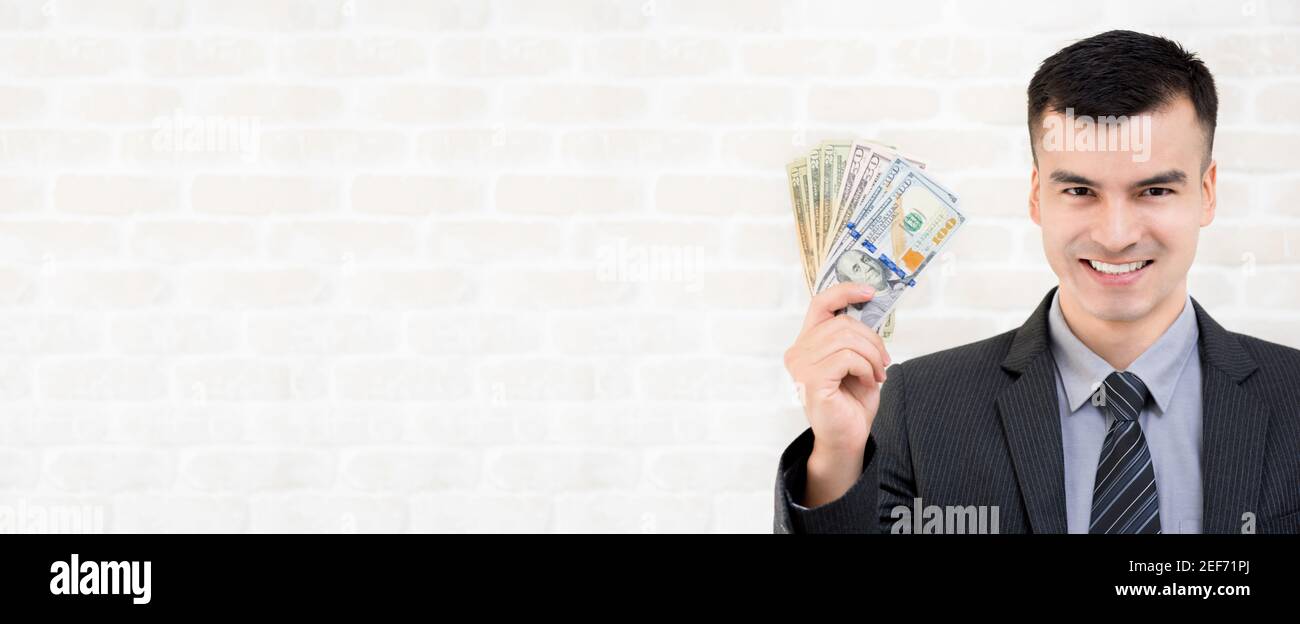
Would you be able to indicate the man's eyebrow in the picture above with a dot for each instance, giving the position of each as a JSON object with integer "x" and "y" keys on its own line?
{"x": 1069, "y": 177}
{"x": 1173, "y": 176}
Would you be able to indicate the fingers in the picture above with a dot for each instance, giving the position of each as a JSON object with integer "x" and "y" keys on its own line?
{"x": 837, "y": 297}
{"x": 846, "y": 362}
{"x": 804, "y": 359}
{"x": 852, "y": 342}
{"x": 874, "y": 338}
{"x": 846, "y": 323}
{"x": 814, "y": 355}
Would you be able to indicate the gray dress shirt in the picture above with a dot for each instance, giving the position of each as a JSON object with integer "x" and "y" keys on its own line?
{"x": 1171, "y": 422}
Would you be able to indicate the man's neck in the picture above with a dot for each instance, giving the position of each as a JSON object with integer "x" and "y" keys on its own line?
{"x": 1121, "y": 342}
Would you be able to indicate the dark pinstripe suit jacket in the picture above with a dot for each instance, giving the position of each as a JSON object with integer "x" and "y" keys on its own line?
{"x": 979, "y": 424}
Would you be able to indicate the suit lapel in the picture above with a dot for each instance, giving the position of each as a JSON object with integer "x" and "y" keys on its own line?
{"x": 1031, "y": 418}
{"x": 1234, "y": 426}
{"x": 1031, "y": 421}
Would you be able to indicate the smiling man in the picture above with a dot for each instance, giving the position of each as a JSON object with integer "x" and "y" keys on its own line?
{"x": 1120, "y": 405}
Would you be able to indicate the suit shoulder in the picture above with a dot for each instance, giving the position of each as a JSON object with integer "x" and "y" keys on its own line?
{"x": 1271, "y": 356}
{"x": 965, "y": 359}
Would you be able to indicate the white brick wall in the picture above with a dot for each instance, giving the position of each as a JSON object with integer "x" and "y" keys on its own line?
{"x": 511, "y": 265}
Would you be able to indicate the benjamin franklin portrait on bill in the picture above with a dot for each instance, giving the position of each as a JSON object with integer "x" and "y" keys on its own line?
{"x": 856, "y": 265}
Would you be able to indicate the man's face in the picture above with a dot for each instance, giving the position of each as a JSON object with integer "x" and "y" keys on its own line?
{"x": 1097, "y": 206}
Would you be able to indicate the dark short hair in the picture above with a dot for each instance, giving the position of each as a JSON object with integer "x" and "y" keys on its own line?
{"x": 1122, "y": 72}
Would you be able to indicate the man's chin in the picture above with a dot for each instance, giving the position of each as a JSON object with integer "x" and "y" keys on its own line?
{"x": 1119, "y": 314}
{"x": 1117, "y": 308}
{"x": 1104, "y": 306}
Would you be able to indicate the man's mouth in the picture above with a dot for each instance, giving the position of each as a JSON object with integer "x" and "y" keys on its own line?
{"x": 1116, "y": 272}
{"x": 1118, "y": 268}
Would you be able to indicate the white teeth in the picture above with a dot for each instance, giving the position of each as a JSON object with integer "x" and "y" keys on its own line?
{"x": 1116, "y": 269}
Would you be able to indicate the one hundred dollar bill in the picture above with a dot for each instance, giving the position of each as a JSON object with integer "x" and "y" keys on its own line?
{"x": 908, "y": 219}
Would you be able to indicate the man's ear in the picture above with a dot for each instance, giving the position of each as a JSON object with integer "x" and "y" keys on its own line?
{"x": 1033, "y": 196}
{"x": 1209, "y": 193}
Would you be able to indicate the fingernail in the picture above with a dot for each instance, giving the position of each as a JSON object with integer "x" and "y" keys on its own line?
{"x": 868, "y": 291}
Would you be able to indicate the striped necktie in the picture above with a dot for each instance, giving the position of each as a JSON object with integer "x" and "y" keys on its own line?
{"x": 1124, "y": 499}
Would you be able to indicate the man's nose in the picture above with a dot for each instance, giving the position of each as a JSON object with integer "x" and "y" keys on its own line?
{"x": 1118, "y": 225}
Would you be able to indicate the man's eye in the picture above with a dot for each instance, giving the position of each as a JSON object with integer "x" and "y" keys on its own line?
{"x": 1156, "y": 191}
{"x": 1078, "y": 191}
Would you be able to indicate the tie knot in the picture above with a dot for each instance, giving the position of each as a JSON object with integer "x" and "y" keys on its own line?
{"x": 1125, "y": 395}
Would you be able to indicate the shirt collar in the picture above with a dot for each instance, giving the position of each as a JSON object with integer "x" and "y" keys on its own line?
{"x": 1159, "y": 367}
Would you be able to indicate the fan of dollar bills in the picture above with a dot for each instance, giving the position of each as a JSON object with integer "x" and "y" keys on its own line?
{"x": 866, "y": 212}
